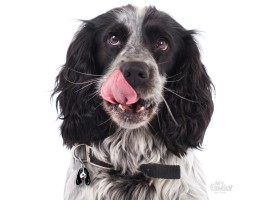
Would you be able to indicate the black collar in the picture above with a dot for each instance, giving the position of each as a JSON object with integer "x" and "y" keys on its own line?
{"x": 151, "y": 170}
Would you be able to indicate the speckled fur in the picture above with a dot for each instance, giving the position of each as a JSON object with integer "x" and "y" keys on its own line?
{"x": 178, "y": 85}
{"x": 126, "y": 151}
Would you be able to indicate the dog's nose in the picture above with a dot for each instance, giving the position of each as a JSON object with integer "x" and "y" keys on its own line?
{"x": 135, "y": 73}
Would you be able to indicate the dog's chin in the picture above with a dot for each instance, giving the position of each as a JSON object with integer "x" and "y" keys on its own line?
{"x": 131, "y": 116}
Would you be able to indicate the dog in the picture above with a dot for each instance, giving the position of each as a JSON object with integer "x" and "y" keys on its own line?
{"x": 135, "y": 101}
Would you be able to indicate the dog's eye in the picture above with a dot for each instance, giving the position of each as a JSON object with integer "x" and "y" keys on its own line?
{"x": 114, "y": 40}
{"x": 162, "y": 44}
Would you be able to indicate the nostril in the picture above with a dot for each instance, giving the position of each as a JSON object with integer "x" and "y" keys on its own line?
{"x": 143, "y": 75}
{"x": 127, "y": 74}
{"x": 135, "y": 73}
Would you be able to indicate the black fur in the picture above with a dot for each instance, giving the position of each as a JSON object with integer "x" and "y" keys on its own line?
{"x": 81, "y": 110}
{"x": 193, "y": 114}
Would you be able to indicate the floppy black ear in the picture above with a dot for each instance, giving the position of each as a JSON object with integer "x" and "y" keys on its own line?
{"x": 78, "y": 179}
{"x": 79, "y": 105}
{"x": 191, "y": 106}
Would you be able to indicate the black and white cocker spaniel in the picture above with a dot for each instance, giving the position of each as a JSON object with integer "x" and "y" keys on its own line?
{"x": 135, "y": 101}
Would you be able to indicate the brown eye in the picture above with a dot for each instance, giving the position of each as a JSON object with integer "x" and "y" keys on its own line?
{"x": 114, "y": 40}
{"x": 162, "y": 45}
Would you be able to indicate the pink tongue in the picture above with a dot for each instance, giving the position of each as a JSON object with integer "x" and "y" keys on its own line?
{"x": 117, "y": 90}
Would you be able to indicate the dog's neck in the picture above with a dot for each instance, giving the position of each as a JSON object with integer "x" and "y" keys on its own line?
{"x": 126, "y": 150}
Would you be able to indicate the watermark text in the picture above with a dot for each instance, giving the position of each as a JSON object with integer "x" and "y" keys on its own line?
{"x": 220, "y": 187}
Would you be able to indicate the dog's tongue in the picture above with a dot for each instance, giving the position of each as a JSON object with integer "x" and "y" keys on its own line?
{"x": 117, "y": 90}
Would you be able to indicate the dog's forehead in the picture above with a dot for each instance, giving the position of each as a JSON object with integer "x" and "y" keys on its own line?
{"x": 132, "y": 17}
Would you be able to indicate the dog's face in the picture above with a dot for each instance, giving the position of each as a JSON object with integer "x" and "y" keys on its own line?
{"x": 141, "y": 47}
{"x": 133, "y": 68}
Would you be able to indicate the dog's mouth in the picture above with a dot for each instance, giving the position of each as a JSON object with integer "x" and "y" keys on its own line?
{"x": 137, "y": 113}
{"x": 124, "y": 104}
{"x": 138, "y": 108}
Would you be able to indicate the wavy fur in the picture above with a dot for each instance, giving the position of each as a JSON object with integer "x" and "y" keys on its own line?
{"x": 180, "y": 88}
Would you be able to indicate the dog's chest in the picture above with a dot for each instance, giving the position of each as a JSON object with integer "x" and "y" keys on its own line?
{"x": 113, "y": 186}
{"x": 126, "y": 152}
{"x": 107, "y": 185}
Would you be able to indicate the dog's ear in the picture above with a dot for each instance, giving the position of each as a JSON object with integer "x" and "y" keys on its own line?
{"x": 87, "y": 179}
{"x": 189, "y": 95}
{"x": 79, "y": 105}
{"x": 78, "y": 179}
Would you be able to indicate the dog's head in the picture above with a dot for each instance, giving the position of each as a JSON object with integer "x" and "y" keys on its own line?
{"x": 134, "y": 68}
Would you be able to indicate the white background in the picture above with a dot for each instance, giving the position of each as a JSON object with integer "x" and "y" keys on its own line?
{"x": 240, "y": 48}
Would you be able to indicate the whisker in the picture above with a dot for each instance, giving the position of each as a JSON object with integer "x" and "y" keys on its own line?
{"x": 163, "y": 62}
{"x": 180, "y": 95}
{"x": 104, "y": 122}
{"x": 84, "y": 73}
{"x": 98, "y": 105}
{"x": 149, "y": 124}
{"x": 92, "y": 82}
{"x": 80, "y": 83}
{"x": 169, "y": 111}
{"x": 175, "y": 80}
{"x": 94, "y": 95}
{"x": 158, "y": 121}
{"x": 174, "y": 75}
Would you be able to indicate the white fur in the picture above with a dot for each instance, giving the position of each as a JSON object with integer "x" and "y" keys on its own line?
{"x": 191, "y": 186}
{"x": 127, "y": 149}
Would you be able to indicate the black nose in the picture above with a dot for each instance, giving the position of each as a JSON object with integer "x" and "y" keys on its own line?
{"x": 135, "y": 73}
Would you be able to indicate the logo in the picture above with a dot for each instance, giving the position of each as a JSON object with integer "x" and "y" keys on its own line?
{"x": 220, "y": 187}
